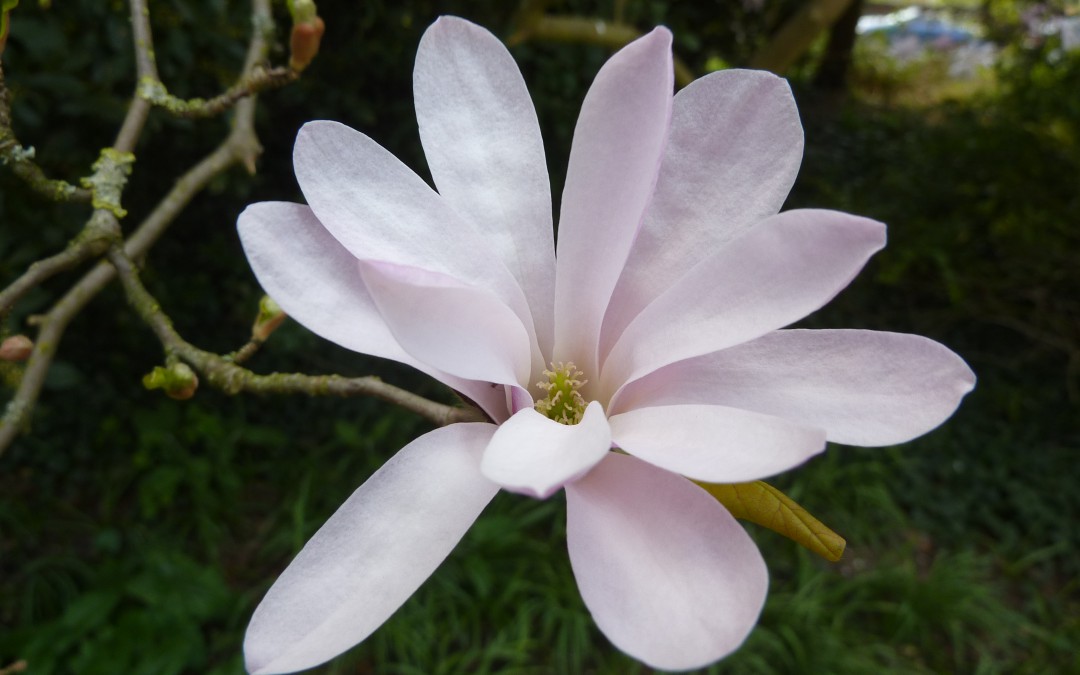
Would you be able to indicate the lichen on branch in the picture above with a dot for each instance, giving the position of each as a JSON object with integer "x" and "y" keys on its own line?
{"x": 154, "y": 91}
{"x": 106, "y": 184}
{"x": 240, "y": 147}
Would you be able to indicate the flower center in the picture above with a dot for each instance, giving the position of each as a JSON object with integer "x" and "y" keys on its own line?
{"x": 563, "y": 403}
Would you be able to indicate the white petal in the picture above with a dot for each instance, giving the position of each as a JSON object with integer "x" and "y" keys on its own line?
{"x": 489, "y": 397}
{"x": 777, "y": 272}
{"x": 373, "y": 553}
{"x": 380, "y": 210}
{"x": 534, "y": 455}
{"x": 314, "y": 279}
{"x": 614, "y": 162}
{"x": 317, "y": 282}
{"x": 863, "y": 387}
{"x": 734, "y": 151}
{"x": 715, "y": 443}
{"x": 483, "y": 146}
{"x": 519, "y": 399}
{"x": 450, "y": 326}
{"x": 669, "y": 576}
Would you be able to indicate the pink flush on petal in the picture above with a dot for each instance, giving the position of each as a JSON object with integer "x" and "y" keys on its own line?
{"x": 647, "y": 352}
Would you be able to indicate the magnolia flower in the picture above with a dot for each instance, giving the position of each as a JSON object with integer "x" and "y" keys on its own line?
{"x": 643, "y": 352}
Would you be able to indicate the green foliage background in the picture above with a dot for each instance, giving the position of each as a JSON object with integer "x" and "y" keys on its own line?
{"x": 137, "y": 533}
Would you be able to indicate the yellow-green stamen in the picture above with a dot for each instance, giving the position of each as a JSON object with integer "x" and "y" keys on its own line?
{"x": 563, "y": 403}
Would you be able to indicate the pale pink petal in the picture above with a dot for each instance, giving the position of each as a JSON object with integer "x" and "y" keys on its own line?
{"x": 317, "y": 282}
{"x": 519, "y": 399}
{"x": 489, "y": 397}
{"x": 450, "y": 326}
{"x": 863, "y": 387}
{"x": 669, "y": 576}
{"x": 314, "y": 279}
{"x": 380, "y": 210}
{"x": 483, "y": 146}
{"x": 776, "y": 273}
{"x": 734, "y": 150}
{"x": 534, "y": 455}
{"x": 714, "y": 443}
{"x": 614, "y": 161}
{"x": 373, "y": 553}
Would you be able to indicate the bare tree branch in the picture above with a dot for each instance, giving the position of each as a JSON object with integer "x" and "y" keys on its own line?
{"x": 241, "y": 146}
{"x": 145, "y": 67}
{"x": 89, "y": 243}
{"x": 232, "y": 379}
{"x": 93, "y": 241}
{"x": 259, "y": 80}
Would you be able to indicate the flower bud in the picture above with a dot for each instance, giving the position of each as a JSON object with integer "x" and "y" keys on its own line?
{"x": 269, "y": 318}
{"x": 16, "y": 348}
{"x": 301, "y": 11}
{"x": 304, "y": 42}
{"x": 178, "y": 380}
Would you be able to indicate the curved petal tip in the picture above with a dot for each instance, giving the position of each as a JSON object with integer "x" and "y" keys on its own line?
{"x": 533, "y": 455}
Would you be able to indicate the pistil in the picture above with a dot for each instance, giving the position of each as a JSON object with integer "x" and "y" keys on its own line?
{"x": 563, "y": 403}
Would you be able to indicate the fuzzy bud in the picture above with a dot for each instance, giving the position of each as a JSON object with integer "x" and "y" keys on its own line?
{"x": 304, "y": 42}
{"x": 269, "y": 318}
{"x": 16, "y": 348}
{"x": 178, "y": 381}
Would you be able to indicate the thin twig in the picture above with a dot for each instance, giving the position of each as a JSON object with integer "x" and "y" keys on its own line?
{"x": 241, "y": 146}
{"x": 53, "y": 324}
{"x": 253, "y": 79}
{"x": 259, "y": 80}
{"x": 246, "y": 352}
{"x": 21, "y": 160}
{"x": 145, "y": 67}
{"x": 91, "y": 242}
{"x": 232, "y": 379}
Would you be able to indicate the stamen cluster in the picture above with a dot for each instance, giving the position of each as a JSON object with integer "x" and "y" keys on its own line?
{"x": 563, "y": 403}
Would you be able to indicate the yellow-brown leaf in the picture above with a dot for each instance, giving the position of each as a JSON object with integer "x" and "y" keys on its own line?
{"x": 763, "y": 504}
